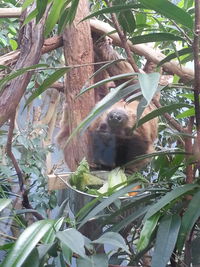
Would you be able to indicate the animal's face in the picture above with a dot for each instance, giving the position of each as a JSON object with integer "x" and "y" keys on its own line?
{"x": 113, "y": 141}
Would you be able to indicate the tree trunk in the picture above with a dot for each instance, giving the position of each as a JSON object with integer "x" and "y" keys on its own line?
{"x": 31, "y": 45}
{"x": 78, "y": 49}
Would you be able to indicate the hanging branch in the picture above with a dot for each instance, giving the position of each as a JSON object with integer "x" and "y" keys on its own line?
{"x": 25, "y": 200}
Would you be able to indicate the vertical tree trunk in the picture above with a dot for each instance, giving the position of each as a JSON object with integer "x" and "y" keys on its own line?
{"x": 78, "y": 49}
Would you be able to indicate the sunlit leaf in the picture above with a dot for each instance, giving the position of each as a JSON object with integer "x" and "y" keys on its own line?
{"x": 41, "y": 7}
{"x": 4, "y": 202}
{"x": 149, "y": 84}
{"x": 147, "y": 231}
{"x": 185, "y": 114}
{"x": 179, "y": 53}
{"x": 169, "y": 10}
{"x": 27, "y": 242}
{"x": 168, "y": 230}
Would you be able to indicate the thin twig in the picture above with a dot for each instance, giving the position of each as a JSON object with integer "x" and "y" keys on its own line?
{"x": 123, "y": 40}
{"x": 25, "y": 201}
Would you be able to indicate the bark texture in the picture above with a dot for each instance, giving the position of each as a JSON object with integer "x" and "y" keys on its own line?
{"x": 30, "y": 53}
{"x": 78, "y": 49}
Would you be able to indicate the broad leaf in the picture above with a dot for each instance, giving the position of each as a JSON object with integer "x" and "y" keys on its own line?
{"x": 73, "y": 240}
{"x": 27, "y": 242}
{"x": 167, "y": 231}
{"x": 51, "y": 235}
{"x": 169, "y": 10}
{"x": 149, "y": 84}
{"x": 188, "y": 220}
{"x": 98, "y": 260}
{"x": 113, "y": 239}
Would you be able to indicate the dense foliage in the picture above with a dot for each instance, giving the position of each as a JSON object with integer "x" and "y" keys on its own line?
{"x": 161, "y": 223}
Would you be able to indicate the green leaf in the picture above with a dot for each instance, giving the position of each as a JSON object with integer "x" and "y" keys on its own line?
{"x": 105, "y": 203}
{"x": 161, "y": 111}
{"x": 170, "y": 11}
{"x": 179, "y": 53}
{"x": 147, "y": 231}
{"x": 19, "y": 72}
{"x": 138, "y": 213}
{"x": 127, "y": 21}
{"x": 13, "y": 44}
{"x": 41, "y": 7}
{"x": 46, "y": 84}
{"x": 113, "y": 239}
{"x": 27, "y": 3}
{"x": 72, "y": 12}
{"x": 32, "y": 260}
{"x": 27, "y": 242}
{"x": 98, "y": 260}
{"x": 30, "y": 16}
{"x": 4, "y": 202}
{"x": 185, "y": 114}
{"x": 113, "y": 9}
{"x": 51, "y": 235}
{"x": 73, "y": 240}
{"x": 149, "y": 84}
{"x": 169, "y": 197}
{"x": 53, "y": 16}
{"x": 168, "y": 231}
{"x": 67, "y": 253}
{"x": 188, "y": 220}
{"x": 155, "y": 37}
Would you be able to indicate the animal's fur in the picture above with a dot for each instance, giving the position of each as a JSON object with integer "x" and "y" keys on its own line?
{"x": 115, "y": 144}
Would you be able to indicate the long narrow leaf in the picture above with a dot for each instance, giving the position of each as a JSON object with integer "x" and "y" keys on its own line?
{"x": 105, "y": 203}
{"x": 169, "y": 197}
{"x": 155, "y": 37}
{"x": 179, "y": 53}
{"x": 53, "y": 16}
{"x": 189, "y": 218}
{"x": 169, "y": 10}
{"x": 147, "y": 231}
{"x": 19, "y": 72}
{"x": 161, "y": 111}
{"x": 167, "y": 231}
{"x": 113, "y": 9}
{"x": 27, "y": 242}
{"x": 46, "y": 84}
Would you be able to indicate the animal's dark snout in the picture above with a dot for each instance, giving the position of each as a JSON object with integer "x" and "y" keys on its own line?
{"x": 117, "y": 118}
